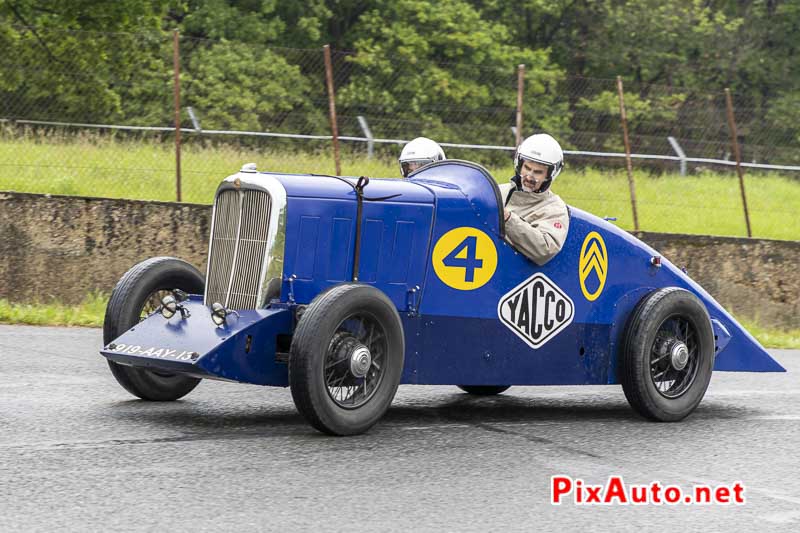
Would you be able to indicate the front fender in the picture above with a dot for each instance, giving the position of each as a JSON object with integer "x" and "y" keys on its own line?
{"x": 243, "y": 350}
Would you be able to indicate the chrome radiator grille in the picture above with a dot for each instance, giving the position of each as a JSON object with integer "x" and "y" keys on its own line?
{"x": 238, "y": 248}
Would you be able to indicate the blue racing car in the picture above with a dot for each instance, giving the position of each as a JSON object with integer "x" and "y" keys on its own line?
{"x": 344, "y": 288}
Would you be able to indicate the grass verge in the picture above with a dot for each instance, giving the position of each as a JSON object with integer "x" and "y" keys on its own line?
{"x": 773, "y": 338}
{"x": 91, "y": 310}
{"x": 706, "y": 203}
{"x": 88, "y": 313}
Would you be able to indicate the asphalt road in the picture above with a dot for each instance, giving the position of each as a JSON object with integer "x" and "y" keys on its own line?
{"x": 78, "y": 453}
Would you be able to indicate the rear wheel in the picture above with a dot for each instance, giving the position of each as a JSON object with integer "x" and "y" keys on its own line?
{"x": 484, "y": 390}
{"x": 668, "y": 355}
{"x": 137, "y": 294}
{"x": 346, "y": 359}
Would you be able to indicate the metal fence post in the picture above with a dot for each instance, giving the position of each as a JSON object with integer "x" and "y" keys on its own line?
{"x": 194, "y": 119}
{"x": 520, "y": 89}
{"x": 368, "y": 134}
{"x": 629, "y": 165}
{"x": 678, "y": 150}
{"x": 735, "y": 143}
{"x": 176, "y": 67}
{"x": 326, "y": 50}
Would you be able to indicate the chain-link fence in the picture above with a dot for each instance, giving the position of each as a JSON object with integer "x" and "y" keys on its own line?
{"x": 94, "y": 114}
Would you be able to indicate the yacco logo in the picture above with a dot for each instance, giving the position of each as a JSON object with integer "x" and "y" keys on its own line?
{"x": 593, "y": 266}
{"x": 536, "y": 310}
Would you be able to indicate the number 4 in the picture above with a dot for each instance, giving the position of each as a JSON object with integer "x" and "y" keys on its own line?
{"x": 469, "y": 263}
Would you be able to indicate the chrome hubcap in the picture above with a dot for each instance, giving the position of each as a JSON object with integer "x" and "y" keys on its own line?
{"x": 679, "y": 356}
{"x": 360, "y": 361}
{"x": 355, "y": 361}
{"x": 675, "y": 357}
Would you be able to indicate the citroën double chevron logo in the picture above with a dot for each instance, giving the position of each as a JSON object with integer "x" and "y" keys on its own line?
{"x": 593, "y": 266}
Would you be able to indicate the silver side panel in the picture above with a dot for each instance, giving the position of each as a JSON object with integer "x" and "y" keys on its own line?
{"x": 246, "y": 248}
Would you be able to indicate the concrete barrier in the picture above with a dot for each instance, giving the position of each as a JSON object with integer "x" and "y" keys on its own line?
{"x": 754, "y": 278}
{"x": 61, "y": 247}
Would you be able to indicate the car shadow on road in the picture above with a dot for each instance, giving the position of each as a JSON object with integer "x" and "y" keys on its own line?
{"x": 508, "y": 408}
{"x": 203, "y": 420}
{"x": 200, "y": 417}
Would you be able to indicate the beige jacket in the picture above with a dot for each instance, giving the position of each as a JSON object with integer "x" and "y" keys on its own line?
{"x": 538, "y": 223}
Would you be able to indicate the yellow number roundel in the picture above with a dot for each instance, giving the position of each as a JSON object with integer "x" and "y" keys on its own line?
{"x": 464, "y": 258}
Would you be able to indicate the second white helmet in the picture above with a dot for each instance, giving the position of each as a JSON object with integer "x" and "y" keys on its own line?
{"x": 544, "y": 149}
{"x": 418, "y": 153}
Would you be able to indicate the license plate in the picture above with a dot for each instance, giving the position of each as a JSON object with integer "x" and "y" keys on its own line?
{"x": 154, "y": 352}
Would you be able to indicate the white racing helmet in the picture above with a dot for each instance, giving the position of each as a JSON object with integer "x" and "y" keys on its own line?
{"x": 418, "y": 153}
{"x": 541, "y": 148}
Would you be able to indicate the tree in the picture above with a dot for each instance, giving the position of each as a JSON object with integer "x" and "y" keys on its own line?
{"x": 446, "y": 72}
{"x": 75, "y": 60}
{"x": 246, "y": 87}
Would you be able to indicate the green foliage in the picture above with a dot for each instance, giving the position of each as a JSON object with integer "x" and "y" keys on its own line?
{"x": 445, "y": 69}
{"x": 298, "y": 24}
{"x": 80, "y": 75}
{"x": 666, "y": 42}
{"x": 241, "y": 20}
{"x": 663, "y": 107}
{"x": 603, "y": 109}
{"x": 412, "y": 60}
{"x": 784, "y": 113}
{"x": 89, "y": 312}
{"x": 238, "y": 86}
{"x": 772, "y": 337}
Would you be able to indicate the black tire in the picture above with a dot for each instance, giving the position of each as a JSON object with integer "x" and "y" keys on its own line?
{"x": 484, "y": 390}
{"x": 132, "y": 299}
{"x": 660, "y": 381}
{"x": 334, "y": 328}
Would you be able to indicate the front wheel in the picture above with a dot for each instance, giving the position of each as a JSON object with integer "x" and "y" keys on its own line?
{"x": 137, "y": 294}
{"x": 668, "y": 355}
{"x": 346, "y": 359}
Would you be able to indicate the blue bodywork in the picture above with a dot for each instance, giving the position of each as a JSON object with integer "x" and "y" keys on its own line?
{"x": 576, "y": 306}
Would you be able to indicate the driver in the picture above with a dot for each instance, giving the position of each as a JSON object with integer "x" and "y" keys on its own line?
{"x": 418, "y": 153}
{"x": 536, "y": 218}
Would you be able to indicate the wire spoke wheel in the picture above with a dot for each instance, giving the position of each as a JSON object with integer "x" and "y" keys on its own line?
{"x": 150, "y": 306}
{"x": 354, "y": 364}
{"x": 674, "y": 357}
{"x": 346, "y": 359}
{"x": 152, "y": 303}
{"x": 668, "y": 355}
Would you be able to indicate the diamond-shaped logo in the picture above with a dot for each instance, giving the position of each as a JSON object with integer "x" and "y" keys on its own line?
{"x": 536, "y": 310}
